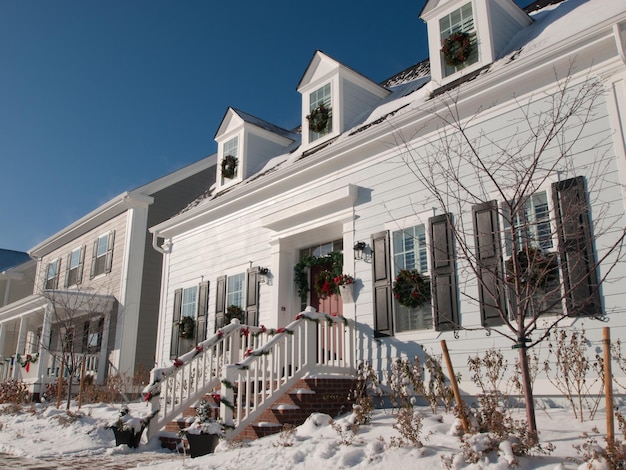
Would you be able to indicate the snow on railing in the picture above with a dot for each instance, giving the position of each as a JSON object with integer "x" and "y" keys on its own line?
{"x": 175, "y": 388}
{"x": 313, "y": 343}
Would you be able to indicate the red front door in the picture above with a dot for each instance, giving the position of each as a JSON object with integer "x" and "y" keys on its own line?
{"x": 331, "y": 304}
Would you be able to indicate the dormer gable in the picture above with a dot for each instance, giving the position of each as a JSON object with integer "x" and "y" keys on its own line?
{"x": 244, "y": 145}
{"x": 466, "y": 35}
{"x": 333, "y": 96}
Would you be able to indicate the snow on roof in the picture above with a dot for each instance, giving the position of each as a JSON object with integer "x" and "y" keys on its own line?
{"x": 553, "y": 20}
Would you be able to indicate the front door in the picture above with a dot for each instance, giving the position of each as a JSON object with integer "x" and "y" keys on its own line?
{"x": 331, "y": 304}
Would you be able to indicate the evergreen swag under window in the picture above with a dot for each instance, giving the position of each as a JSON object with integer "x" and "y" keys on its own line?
{"x": 411, "y": 289}
{"x": 325, "y": 282}
{"x": 229, "y": 166}
{"x": 232, "y": 312}
{"x": 318, "y": 119}
{"x": 538, "y": 269}
{"x": 456, "y": 49}
{"x": 186, "y": 327}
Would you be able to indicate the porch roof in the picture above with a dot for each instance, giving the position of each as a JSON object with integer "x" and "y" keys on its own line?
{"x": 37, "y": 303}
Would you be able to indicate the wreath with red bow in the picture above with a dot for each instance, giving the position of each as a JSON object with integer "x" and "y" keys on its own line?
{"x": 456, "y": 49}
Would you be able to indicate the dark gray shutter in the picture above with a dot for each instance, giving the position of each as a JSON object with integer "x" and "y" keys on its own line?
{"x": 443, "y": 273}
{"x": 94, "y": 257}
{"x": 67, "y": 270}
{"x": 381, "y": 271}
{"x": 220, "y": 302}
{"x": 57, "y": 273}
{"x": 252, "y": 297}
{"x": 203, "y": 307}
{"x": 576, "y": 247}
{"x": 81, "y": 263}
{"x": 489, "y": 263}
{"x": 178, "y": 302}
{"x": 109, "y": 259}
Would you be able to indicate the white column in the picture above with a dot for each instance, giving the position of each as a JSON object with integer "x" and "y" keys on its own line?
{"x": 44, "y": 341}
{"x": 21, "y": 344}
{"x": 103, "y": 360}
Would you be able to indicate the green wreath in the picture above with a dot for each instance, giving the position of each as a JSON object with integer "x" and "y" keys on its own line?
{"x": 456, "y": 48}
{"x": 411, "y": 289}
{"x": 185, "y": 327}
{"x": 318, "y": 119}
{"x": 229, "y": 166}
{"x": 536, "y": 268}
{"x": 333, "y": 264}
{"x": 233, "y": 311}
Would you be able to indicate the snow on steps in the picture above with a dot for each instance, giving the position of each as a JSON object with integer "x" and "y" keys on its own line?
{"x": 308, "y": 395}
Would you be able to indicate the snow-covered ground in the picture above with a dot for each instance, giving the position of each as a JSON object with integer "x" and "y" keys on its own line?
{"x": 48, "y": 433}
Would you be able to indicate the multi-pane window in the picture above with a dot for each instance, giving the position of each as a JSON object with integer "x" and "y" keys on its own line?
{"x": 410, "y": 252}
{"x": 73, "y": 274}
{"x": 531, "y": 225}
{"x": 235, "y": 290}
{"x": 230, "y": 157}
{"x": 530, "y": 228}
{"x": 459, "y": 21}
{"x": 101, "y": 253}
{"x": 322, "y": 249}
{"x": 52, "y": 274}
{"x": 321, "y": 96}
{"x": 189, "y": 305}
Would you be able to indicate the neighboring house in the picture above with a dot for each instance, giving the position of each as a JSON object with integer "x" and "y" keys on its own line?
{"x": 97, "y": 285}
{"x": 17, "y": 276}
{"x": 356, "y": 179}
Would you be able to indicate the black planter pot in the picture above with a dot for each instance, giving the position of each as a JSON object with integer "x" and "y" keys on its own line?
{"x": 202, "y": 444}
{"x": 127, "y": 436}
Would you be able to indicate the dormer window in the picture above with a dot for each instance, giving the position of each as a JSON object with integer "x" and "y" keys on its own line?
{"x": 458, "y": 39}
{"x": 320, "y": 117}
{"x": 230, "y": 159}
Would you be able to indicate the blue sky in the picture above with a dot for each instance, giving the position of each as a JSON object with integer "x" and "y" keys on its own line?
{"x": 99, "y": 97}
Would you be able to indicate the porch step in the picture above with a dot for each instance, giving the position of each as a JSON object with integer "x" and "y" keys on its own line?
{"x": 306, "y": 396}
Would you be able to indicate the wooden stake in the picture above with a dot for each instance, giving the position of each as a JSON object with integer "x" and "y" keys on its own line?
{"x": 608, "y": 388}
{"x": 455, "y": 387}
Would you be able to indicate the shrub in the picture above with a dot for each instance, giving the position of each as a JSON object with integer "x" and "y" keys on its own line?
{"x": 13, "y": 391}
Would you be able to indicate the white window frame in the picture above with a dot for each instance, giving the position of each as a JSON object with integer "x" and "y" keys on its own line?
{"x": 459, "y": 26}
{"x": 425, "y": 310}
{"x": 189, "y": 302}
{"x": 236, "y": 289}
{"x": 327, "y": 99}
{"x": 101, "y": 255}
{"x": 506, "y": 244}
{"x": 71, "y": 266}
{"x": 231, "y": 147}
{"x": 52, "y": 269}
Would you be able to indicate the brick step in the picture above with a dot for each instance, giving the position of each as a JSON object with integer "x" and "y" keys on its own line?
{"x": 307, "y": 396}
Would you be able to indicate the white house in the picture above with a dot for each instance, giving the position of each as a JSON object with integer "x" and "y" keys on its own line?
{"x": 94, "y": 287}
{"x": 417, "y": 173}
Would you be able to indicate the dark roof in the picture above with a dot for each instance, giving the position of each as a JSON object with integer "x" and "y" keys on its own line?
{"x": 539, "y": 4}
{"x": 10, "y": 258}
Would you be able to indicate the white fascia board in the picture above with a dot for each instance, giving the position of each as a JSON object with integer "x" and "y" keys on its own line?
{"x": 85, "y": 224}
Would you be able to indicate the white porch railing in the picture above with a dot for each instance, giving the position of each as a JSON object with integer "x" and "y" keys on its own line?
{"x": 252, "y": 359}
{"x": 314, "y": 343}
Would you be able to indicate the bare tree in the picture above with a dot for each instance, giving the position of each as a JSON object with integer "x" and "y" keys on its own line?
{"x": 496, "y": 185}
{"x": 76, "y": 320}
